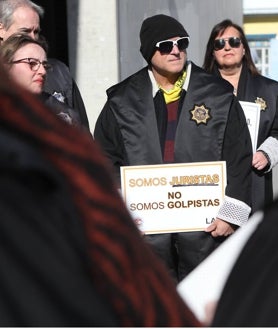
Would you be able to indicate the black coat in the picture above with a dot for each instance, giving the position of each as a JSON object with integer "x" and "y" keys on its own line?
{"x": 59, "y": 80}
{"x": 61, "y": 109}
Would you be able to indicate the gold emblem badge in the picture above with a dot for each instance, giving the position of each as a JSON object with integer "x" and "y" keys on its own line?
{"x": 200, "y": 114}
{"x": 262, "y": 103}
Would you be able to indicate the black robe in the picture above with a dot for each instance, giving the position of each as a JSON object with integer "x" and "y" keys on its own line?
{"x": 130, "y": 132}
{"x": 59, "y": 80}
{"x": 250, "y": 88}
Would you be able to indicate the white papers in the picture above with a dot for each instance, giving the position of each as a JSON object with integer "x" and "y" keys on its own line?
{"x": 205, "y": 283}
{"x": 252, "y": 113}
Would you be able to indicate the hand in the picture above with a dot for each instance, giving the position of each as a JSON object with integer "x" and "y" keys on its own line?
{"x": 259, "y": 161}
{"x": 220, "y": 228}
{"x": 210, "y": 308}
{"x": 139, "y": 222}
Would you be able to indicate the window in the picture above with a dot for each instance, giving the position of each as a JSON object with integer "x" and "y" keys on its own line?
{"x": 260, "y": 55}
{"x": 260, "y": 51}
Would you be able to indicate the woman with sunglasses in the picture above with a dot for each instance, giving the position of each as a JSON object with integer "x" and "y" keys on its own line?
{"x": 228, "y": 55}
{"x": 26, "y": 62}
{"x": 172, "y": 111}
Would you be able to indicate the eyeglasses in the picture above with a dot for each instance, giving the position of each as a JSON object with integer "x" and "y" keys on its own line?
{"x": 234, "y": 42}
{"x": 166, "y": 46}
{"x": 33, "y": 63}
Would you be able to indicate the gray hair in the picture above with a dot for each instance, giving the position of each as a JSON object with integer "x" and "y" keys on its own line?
{"x": 8, "y": 7}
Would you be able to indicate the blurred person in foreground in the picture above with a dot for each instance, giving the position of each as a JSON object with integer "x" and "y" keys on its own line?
{"x": 23, "y": 16}
{"x": 26, "y": 62}
{"x": 70, "y": 253}
{"x": 249, "y": 297}
{"x": 172, "y": 111}
{"x": 228, "y": 55}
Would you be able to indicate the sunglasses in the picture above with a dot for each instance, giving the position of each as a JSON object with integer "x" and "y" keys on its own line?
{"x": 166, "y": 46}
{"x": 234, "y": 42}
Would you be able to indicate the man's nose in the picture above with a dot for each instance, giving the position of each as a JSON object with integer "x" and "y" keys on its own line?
{"x": 33, "y": 35}
{"x": 175, "y": 49}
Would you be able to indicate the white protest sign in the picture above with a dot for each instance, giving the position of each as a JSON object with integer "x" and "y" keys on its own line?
{"x": 174, "y": 197}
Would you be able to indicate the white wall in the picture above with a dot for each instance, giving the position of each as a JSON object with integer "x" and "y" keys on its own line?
{"x": 93, "y": 50}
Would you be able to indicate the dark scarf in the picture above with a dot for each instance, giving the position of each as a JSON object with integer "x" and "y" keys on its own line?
{"x": 167, "y": 117}
{"x": 242, "y": 80}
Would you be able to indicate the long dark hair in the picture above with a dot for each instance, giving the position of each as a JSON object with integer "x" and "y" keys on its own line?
{"x": 219, "y": 29}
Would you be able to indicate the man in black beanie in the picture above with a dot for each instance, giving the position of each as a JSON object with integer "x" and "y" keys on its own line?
{"x": 166, "y": 28}
{"x": 152, "y": 117}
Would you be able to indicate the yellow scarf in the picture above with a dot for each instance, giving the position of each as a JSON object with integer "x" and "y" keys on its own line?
{"x": 174, "y": 94}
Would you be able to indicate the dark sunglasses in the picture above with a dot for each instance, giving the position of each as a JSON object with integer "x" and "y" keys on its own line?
{"x": 234, "y": 42}
{"x": 166, "y": 46}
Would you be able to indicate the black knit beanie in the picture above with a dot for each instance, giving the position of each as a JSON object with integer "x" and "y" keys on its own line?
{"x": 158, "y": 28}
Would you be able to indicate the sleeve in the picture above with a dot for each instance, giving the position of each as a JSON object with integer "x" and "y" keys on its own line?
{"x": 107, "y": 134}
{"x": 60, "y": 84}
{"x": 237, "y": 152}
{"x": 274, "y": 128}
{"x": 270, "y": 145}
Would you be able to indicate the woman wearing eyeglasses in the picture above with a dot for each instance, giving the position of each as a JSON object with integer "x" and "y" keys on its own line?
{"x": 172, "y": 111}
{"x": 228, "y": 55}
{"x": 26, "y": 62}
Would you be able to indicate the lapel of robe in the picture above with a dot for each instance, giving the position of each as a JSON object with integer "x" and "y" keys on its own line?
{"x": 136, "y": 109}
